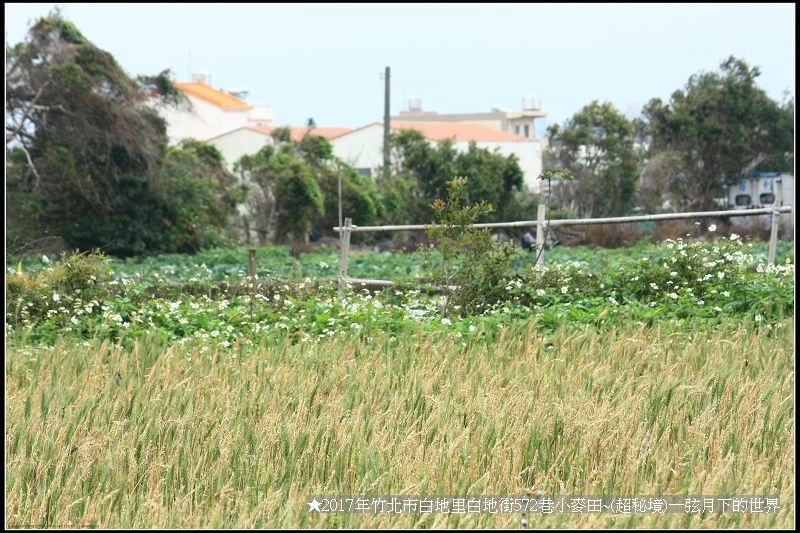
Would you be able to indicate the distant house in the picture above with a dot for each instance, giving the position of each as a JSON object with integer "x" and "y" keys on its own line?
{"x": 362, "y": 148}
{"x": 758, "y": 189}
{"x": 211, "y": 112}
{"x": 247, "y": 140}
{"x": 518, "y": 122}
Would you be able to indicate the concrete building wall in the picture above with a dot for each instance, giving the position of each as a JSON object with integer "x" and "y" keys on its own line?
{"x": 362, "y": 148}
{"x": 528, "y": 153}
{"x": 202, "y": 121}
{"x": 237, "y": 143}
{"x": 755, "y": 192}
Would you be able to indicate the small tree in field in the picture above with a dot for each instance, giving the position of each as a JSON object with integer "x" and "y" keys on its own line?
{"x": 474, "y": 266}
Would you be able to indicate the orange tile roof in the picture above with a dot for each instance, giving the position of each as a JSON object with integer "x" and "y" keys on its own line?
{"x": 212, "y": 95}
{"x": 438, "y": 131}
{"x": 297, "y": 132}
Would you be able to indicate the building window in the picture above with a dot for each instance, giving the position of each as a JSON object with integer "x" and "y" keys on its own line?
{"x": 365, "y": 171}
{"x": 742, "y": 199}
{"x": 516, "y": 130}
{"x": 527, "y": 131}
{"x": 766, "y": 198}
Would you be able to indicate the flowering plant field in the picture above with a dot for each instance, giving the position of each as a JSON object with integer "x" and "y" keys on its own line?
{"x": 87, "y": 296}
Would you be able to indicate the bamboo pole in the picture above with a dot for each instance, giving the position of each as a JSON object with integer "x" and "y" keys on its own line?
{"x": 345, "y": 250}
{"x": 540, "y": 234}
{"x": 579, "y": 221}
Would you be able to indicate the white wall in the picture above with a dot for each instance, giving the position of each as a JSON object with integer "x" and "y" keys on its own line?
{"x": 202, "y": 121}
{"x": 237, "y": 143}
{"x": 756, "y": 186}
{"x": 529, "y": 154}
{"x": 361, "y": 148}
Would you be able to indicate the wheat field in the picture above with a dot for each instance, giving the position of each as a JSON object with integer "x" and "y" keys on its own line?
{"x": 159, "y": 435}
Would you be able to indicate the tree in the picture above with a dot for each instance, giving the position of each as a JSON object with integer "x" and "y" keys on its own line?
{"x": 87, "y": 153}
{"x": 201, "y": 195}
{"x": 360, "y": 198}
{"x": 718, "y": 128}
{"x": 597, "y": 146}
{"x": 473, "y": 270}
{"x": 423, "y": 172}
{"x": 291, "y": 192}
{"x": 298, "y": 185}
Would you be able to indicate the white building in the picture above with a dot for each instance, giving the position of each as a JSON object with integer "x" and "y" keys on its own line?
{"x": 517, "y": 122}
{"x": 210, "y": 112}
{"x": 362, "y": 148}
{"x": 247, "y": 140}
{"x": 759, "y": 189}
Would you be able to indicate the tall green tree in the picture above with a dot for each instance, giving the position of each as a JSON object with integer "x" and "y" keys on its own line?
{"x": 423, "y": 171}
{"x": 597, "y": 146}
{"x": 88, "y": 156}
{"x": 360, "y": 198}
{"x": 720, "y": 126}
{"x": 292, "y": 195}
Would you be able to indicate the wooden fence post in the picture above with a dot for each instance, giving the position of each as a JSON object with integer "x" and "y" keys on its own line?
{"x": 251, "y": 266}
{"x": 776, "y": 221}
{"x": 540, "y": 234}
{"x": 345, "y": 250}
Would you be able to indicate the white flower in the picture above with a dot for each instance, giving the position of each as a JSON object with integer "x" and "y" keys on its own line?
{"x": 45, "y": 260}
{"x": 654, "y": 286}
{"x": 215, "y": 333}
{"x": 540, "y": 292}
{"x": 712, "y": 227}
{"x": 759, "y": 318}
{"x": 673, "y": 296}
{"x": 446, "y": 321}
{"x": 734, "y": 236}
{"x": 56, "y": 297}
{"x": 564, "y": 289}
{"x": 613, "y": 300}
{"x": 720, "y": 275}
{"x": 726, "y": 294}
{"x": 472, "y": 328}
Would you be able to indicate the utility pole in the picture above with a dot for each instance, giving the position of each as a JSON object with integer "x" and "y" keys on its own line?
{"x": 386, "y": 126}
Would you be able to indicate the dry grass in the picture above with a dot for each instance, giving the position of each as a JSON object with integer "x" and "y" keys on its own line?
{"x": 162, "y": 436}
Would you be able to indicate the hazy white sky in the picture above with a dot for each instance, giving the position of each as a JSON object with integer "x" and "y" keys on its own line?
{"x": 326, "y": 60}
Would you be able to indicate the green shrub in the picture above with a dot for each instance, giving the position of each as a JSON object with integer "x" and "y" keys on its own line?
{"x": 474, "y": 267}
{"x": 37, "y": 297}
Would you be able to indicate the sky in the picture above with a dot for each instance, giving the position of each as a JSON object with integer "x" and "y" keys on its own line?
{"x": 326, "y": 61}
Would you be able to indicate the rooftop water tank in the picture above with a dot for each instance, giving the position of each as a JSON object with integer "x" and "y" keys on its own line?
{"x": 531, "y": 103}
